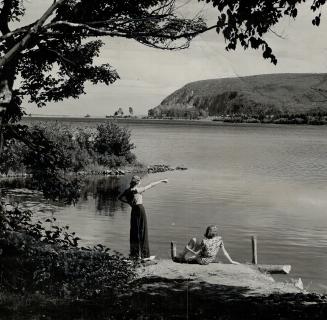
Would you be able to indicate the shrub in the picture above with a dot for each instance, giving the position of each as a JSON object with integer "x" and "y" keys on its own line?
{"x": 43, "y": 257}
{"x": 54, "y": 151}
{"x": 112, "y": 143}
{"x": 67, "y": 152}
{"x": 11, "y": 157}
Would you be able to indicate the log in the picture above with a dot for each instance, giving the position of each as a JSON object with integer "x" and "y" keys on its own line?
{"x": 274, "y": 268}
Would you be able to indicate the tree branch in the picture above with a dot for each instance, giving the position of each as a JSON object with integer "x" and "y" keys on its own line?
{"x": 18, "y": 47}
{"x": 277, "y": 34}
{"x": 132, "y": 34}
{"x": 23, "y": 138}
{"x": 17, "y": 31}
{"x": 169, "y": 4}
{"x": 63, "y": 59}
{"x": 4, "y": 16}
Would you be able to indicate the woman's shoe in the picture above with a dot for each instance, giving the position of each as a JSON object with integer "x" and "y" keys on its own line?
{"x": 149, "y": 258}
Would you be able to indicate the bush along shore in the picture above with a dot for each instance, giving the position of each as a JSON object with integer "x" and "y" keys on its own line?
{"x": 42, "y": 266}
{"x": 107, "y": 150}
{"x": 78, "y": 149}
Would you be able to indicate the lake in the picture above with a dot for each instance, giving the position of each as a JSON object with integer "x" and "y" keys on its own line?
{"x": 264, "y": 180}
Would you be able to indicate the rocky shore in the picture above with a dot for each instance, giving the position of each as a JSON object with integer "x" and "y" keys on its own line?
{"x": 156, "y": 168}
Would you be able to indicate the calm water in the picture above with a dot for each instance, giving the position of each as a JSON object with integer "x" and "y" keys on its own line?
{"x": 265, "y": 180}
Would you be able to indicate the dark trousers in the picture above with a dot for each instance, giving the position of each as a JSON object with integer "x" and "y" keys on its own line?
{"x": 139, "y": 233}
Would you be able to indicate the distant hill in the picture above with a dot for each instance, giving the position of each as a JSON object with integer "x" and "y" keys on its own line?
{"x": 293, "y": 93}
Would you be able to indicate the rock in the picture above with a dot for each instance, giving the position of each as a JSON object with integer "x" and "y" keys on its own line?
{"x": 180, "y": 168}
{"x": 159, "y": 168}
{"x": 242, "y": 275}
{"x": 298, "y": 283}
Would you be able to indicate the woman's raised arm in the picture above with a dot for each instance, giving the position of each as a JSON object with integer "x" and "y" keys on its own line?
{"x": 152, "y": 184}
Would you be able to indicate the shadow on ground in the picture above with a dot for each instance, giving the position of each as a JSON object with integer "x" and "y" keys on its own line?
{"x": 161, "y": 298}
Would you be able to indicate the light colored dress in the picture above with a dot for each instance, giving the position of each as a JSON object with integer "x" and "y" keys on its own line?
{"x": 209, "y": 250}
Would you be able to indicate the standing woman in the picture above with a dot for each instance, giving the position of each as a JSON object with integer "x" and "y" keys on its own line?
{"x": 139, "y": 242}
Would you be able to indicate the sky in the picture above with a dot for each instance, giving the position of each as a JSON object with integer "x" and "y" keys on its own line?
{"x": 148, "y": 75}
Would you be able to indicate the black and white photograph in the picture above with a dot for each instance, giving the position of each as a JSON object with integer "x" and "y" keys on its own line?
{"x": 163, "y": 159}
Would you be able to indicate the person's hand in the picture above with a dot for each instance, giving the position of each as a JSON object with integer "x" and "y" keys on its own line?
{"x": 164, "y": 180}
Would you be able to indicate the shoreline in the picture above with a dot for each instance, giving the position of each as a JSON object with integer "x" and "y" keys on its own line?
{"x": 108, "y": 172}
{"x": 186, "y": 122}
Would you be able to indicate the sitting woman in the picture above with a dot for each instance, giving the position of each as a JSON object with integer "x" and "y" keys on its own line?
{"x": 206, "y": 251}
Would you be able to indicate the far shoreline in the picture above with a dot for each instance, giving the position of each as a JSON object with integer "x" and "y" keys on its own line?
{"x": 185, "y": 122}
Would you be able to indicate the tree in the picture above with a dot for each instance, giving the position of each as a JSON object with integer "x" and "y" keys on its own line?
{"x": 113, "y": 145}
{"x": 131, "y": 111}
{"x": 120, "y": 112}
{"x": 245, "y": 23}
{"x": 54, "y": 56}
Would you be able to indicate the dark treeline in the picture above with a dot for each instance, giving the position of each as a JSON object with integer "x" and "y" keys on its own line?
{"x": 239, "y": 113}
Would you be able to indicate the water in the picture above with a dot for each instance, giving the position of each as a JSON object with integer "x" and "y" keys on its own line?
{"x": 264, "y": 180}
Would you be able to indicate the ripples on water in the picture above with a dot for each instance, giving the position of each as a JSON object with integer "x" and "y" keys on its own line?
{"x": 263, "y": 180}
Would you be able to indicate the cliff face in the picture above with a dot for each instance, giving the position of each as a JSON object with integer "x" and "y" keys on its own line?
{"x": 267, "y": 94}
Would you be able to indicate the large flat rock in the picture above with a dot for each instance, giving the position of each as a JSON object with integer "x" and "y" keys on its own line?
{"x": 245, "y": 276}
{"x": 169, "y": 290}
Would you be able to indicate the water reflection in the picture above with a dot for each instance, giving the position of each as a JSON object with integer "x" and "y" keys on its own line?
{"x": 104, "y": 191}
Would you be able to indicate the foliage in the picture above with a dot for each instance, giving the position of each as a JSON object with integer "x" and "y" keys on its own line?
{"x": 245, "y": 23}
{"x": 69, "y": 150}
{"x": 11, "y": 157}
{"x": 55, "y": 152}
{"x": 38, "y": 257}
{"x": 119, "y": 112}
{"x": 15, "y": 220}
{"x": 112, "y": 143}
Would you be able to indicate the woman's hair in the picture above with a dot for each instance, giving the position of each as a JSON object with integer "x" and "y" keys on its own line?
{"x": 211, "y": 232}
{"x": 134, "y": 181}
